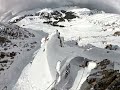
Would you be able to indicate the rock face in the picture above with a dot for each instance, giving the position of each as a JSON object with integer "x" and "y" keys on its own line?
{"x": 3, "y": 40}
{"x": 12, "y": 43}
{"x": 58, "y": 16}
{"x": 112, "y": 47}
{"x": 14, "y": 32}
{"x": 116, "y": 33}
{"x": 109, "y": 81}
{"x": 104, "y": 77}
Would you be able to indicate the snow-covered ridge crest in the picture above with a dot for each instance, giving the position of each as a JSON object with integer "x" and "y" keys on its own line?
{"x": 62, "y": 59}
{"x": 59, "y": 62}
{"x": 54, "y": 57}
{"x": 59, "y": 66}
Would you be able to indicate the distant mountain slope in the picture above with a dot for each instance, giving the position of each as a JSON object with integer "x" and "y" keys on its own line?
{"x": 90, "y": 26}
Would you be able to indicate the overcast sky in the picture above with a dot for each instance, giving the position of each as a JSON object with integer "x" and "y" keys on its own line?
{"x": 21, "y": 5}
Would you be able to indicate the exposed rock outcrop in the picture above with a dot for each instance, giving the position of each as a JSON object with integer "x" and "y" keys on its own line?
{"x": 104, "y": 77}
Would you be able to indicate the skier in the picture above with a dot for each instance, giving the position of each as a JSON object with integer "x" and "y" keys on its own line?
{"x": 67, "y": 71}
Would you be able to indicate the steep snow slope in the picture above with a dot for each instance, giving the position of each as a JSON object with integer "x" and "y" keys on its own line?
{"x": 17, "y": 46}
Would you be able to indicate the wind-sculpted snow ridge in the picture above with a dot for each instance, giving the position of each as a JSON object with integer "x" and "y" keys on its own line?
{"x": 61, "y": 67}
{"x": 16, "y": 48}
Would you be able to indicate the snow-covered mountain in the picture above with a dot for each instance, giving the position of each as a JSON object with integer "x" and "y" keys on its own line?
{"x": 77, "y": 49}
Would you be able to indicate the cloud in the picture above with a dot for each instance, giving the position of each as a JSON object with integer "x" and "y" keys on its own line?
{"x": 22, "y": 5}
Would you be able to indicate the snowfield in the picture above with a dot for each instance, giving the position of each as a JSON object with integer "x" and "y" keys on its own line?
{"x": 74, "y": 48}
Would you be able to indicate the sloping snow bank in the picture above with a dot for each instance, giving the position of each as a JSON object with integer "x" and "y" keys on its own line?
{"x": 36, "y": 76}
